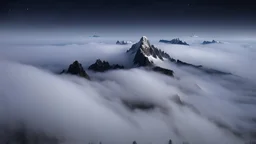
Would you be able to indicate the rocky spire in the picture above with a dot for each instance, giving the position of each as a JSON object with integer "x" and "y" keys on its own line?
{"x": 144, "y": 52}
{"x": 144, "y": 42}
{"x": 76, "y": 69}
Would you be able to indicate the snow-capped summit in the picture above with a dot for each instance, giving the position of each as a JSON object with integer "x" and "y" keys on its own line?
{"x": 144, "y": 39}
{"x": 145, "y": 53}
{"x": 144, "y": 42}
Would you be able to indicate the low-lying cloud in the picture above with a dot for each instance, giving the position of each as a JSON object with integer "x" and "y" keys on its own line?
{"x": 192, "y": 107}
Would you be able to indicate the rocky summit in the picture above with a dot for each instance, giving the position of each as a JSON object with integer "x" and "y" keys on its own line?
{"x": 144, "y": 53}
{"x": 210, "y": 42}
{"x": 102, "y": 66}
{"x": 174, "y": 41}
{"x": 76, "y": 69}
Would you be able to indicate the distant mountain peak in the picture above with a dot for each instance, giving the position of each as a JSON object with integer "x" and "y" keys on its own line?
{"x": 211, "y": 42}
{"x": 174, "y": 41}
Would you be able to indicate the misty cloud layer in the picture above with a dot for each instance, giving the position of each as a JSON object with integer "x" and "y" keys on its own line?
{"x": 212, "y": 108}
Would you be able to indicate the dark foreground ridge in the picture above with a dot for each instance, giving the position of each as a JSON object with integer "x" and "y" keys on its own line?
{"x": 21, "y": 134}
{"x": 174, "y": 41}
{"x": 76, "y": 69}
{"x": 102, "y": 66}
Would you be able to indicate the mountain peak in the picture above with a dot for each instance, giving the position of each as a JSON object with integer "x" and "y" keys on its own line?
{"x": 174, "y": 41}
{"x": 145, "y": 53}
{"x": 144, "y": 42}
{"x": 76, "y": 68}
{"x": 143, "y": 38}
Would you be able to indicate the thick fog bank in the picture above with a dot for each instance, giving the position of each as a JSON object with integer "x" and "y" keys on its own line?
{"x": 79, "y": 110}
{"x": 193, "y": 107}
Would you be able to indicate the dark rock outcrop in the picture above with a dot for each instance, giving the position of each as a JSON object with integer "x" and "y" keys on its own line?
{"x": 174, "y": 41}
{"x": 102, "y": 66}
{"x": 123, "y": 42}
{"x": 163, "y": 71}
{"x": 141, "y": 60}
{"x": 210, "y": 42}
{"x": 143, "y": 53}
{"x": 139, "y": 105}
{"x": 214, "y": 72}
{"x": 76, "y": 69}
{"x": 181, "y": 63}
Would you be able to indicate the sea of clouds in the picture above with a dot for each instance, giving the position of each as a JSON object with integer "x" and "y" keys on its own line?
{"x": 213, "y": 108}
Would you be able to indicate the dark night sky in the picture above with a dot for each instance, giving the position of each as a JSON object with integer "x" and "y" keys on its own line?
{"x": 124, "y": 12}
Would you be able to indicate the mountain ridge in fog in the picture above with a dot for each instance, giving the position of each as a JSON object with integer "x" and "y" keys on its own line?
{"x": 144, "y": 55}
